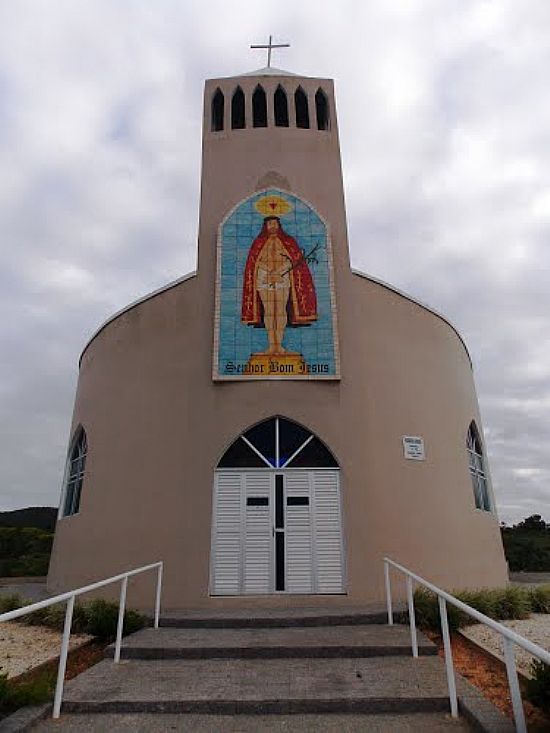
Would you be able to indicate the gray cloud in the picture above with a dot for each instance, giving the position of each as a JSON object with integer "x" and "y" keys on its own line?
{"x": 445, "y": 131}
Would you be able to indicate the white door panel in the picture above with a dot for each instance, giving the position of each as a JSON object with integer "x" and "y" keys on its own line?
{"x": 298, "y": 527}
{"x": 258, "y": 541}
{"x": 243, "y": 544}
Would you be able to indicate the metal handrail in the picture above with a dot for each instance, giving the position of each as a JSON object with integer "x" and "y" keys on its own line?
{"x": 509, "y": 638}
{"x": 70, "y": 596}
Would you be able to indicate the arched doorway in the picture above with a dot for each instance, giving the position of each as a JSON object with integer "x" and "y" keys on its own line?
{"x": 277, "y": 520}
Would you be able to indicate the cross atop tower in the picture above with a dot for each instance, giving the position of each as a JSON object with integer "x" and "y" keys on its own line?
{"x": 270, "y": 46}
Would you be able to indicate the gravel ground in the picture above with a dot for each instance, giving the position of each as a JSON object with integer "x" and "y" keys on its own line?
{"x": 24, "y": 647}
{"x": 536, "y": 629}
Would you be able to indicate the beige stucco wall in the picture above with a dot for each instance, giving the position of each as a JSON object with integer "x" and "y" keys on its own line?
{"x": 157, "y": 424}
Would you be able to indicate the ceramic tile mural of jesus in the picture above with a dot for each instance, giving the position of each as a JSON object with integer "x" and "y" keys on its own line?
{"x": 275, "y": 314}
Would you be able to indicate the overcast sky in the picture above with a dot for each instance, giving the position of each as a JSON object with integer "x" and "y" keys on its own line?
{"x": 444, "y": 115}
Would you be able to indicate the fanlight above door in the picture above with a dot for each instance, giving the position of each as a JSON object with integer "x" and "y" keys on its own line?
{"x": 277, "y": 443}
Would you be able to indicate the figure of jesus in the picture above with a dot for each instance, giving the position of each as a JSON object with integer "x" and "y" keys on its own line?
{"x": 278, "y": 288}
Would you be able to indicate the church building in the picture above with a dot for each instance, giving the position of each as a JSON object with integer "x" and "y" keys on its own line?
{"x": 274, "y": 424}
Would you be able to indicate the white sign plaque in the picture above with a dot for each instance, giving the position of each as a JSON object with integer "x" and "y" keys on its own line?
{"x": 413, "y": 448}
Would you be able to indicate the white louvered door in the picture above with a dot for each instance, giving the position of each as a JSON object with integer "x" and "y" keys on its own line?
{"x": 327, "y": 532}
{"x": 226, "y": 534}
{"x": 258, "y": 533}
{"x": 299, "y": 536}
{"x": 314, "y": 557}
{"x": 247, "y": 539}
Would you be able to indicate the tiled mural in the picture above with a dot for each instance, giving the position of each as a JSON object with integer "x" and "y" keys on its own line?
{"x": 275, "y": 311}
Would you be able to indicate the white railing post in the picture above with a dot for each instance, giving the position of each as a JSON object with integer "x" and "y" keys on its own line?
{"x": 120, "y": 624}
{"x": 509, "y": 638}
{"x": 69, "y": 597}
{"x": 412, "y": 619}
{"x": 513, "y": 684}
{"x": 388, "y": 592}
{"x": 157, "y": 595}
{"x": 448, "y": 656}
{"x": 63, "y": 657}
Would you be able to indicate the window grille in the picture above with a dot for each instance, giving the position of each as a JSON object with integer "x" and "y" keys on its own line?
{"x": 277, "y": 443}
{"x": 74, "y": 474}
{"x": 477, "y": 469}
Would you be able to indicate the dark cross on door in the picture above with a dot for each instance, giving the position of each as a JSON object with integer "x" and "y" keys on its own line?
{"x": 270, "y": 46}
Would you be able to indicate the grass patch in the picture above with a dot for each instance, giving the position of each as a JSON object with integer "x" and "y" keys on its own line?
{"x": 539, "y": 598}
{"x": 500, "y": 604}
{"x": 35, "y": 690}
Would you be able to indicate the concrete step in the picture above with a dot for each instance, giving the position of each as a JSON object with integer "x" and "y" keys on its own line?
{"x": 245, "y": 686}
{"x": 240, "y": 618}
{"x": 271, "y": 643}
{"x": 153, "y": 723}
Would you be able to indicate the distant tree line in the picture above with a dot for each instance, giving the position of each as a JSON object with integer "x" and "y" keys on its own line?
{"x": 24, "y": 551}
{"x": 41, "y": 517}
{"x": 26, "y": 537}
{"x": 527, "y": 544}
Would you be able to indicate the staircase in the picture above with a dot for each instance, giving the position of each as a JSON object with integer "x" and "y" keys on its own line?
{"x": 294, "y": 663}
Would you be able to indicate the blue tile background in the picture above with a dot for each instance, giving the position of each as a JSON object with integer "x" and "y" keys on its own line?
{"x": 237, "y": 341}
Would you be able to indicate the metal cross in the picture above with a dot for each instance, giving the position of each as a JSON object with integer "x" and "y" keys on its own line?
{"x": 270, "y": 46}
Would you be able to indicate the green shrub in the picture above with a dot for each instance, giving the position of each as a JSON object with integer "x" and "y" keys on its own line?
{"x": 133, "y": 621}
{"x": 10, "y": 602}
{"x": 497, "y": 603}
{"x": 98, "y": 617}
{"x": 426, "y": 609}
{"x": 482, "y": 600}
{"x": 539, "y": 598}
{"x": 511, "y": 602}
{"x": 538, "y": 688}
{"x": 102, "y": 619}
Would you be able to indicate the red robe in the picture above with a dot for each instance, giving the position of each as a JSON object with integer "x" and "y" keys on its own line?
{"x": 302, "y": 301}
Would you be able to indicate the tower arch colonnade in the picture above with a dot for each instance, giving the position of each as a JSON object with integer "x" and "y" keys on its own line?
{"x": 271, "y": 102}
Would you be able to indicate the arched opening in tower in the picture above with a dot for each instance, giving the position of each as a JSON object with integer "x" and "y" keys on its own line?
{"x": 281, "y": 107}
{"x": 259, "y": 107}
{"x": 302, "y": 112}
{"x": 321, "y": 108}
{"x": 217, "y": 111}
{"x": 237, "y": 110}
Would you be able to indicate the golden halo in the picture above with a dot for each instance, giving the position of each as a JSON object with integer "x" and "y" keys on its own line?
{"x": 273, "y": 206}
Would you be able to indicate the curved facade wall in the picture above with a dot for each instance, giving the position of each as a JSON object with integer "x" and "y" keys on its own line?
{"x": 158, "y": 419}
{"x": 157, "y": 426}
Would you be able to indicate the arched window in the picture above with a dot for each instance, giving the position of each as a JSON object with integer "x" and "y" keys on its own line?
{"x": 281, "y": 107}
{"x": 277, "y": 443}
{"x": 302, "y": 112}
{"x": 477, "y": 469}
{"x": 321, "y": 108}
{"x": 259, "y": 107}
{"x": 237, "y": 110}
{"x": 217, "y": 111}
{"x": 74, "y": 473}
